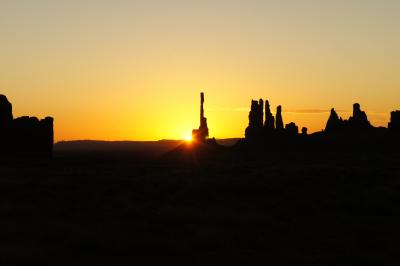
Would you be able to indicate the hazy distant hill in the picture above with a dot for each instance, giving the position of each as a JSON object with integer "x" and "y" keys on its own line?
{"x": 228, "y": 142}
{"x": 142, "y": 147}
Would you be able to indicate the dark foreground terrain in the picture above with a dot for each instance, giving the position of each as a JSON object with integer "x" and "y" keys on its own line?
{"x": 121, "y": 209}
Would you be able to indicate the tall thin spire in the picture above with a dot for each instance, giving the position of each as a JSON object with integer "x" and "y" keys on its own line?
{"x": 201, "y": 134}
{"x": 201, "y": 106}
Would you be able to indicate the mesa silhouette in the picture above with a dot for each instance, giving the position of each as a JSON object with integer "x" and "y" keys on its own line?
{"x": 24, "y": 136}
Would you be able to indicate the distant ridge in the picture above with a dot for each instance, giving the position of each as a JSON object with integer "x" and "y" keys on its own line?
{"x": 144, "y": 147}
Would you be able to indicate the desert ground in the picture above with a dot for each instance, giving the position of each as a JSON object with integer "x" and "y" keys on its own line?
{"x": 121, "y": 208}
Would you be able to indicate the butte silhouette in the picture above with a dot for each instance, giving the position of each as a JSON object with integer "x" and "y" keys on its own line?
{"x": 24, "y": 136}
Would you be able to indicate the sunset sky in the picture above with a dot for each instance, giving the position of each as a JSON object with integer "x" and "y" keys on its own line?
{"x": 133, "y": 70}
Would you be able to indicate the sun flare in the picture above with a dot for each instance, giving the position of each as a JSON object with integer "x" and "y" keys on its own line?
{"x": 188, "y": 138}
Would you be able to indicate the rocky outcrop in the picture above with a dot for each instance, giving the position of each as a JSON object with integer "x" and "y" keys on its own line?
{"x": 304, "y": 131}
{"x": 354, "y": 134}
{"x": 24, "y": 135}
{"x": 292, "y": 129}
{"x": 6, "y": 115}
{"x": 269, "y": 118}
{"x": 279, "y": 120}
{"x": 356, "y": 123}
{"x": 201, "y": 134}
{"x": 394, "y": 124}
{"x": 359, "y": 119}
{"x": 256, "y": 116}
{"x": 270, "y": 131}
{"x": 334, "y": 122}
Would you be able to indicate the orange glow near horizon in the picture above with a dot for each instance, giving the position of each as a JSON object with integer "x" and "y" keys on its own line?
{"x": 133, "y": 70}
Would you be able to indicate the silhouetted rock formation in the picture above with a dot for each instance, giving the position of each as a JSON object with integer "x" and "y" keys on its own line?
{"x": 24, "y": 135}
{"x": 359, "y": 119}
{"x": 334, "y": 122}
{"x": 267, "y": 132}
{"x": 394, "y": 123}
{"x": 279, "y": 120}
{"x": 6, "y": 116}
{"x": 356, "y": 123}
{"x": 292, "y": 129}
{"x": 201, "y": 134}
{"x": 255, "y": 128}
{"x": 304, "y": 131}
{"x": 354, "y": 134}
{"x": 269, "y": 118}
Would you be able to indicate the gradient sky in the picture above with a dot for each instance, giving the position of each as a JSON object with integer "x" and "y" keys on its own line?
{"x": 133, "y": 70}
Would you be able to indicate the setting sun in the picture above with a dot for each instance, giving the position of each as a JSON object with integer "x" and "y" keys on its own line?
{"x": 188, "y": 138}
